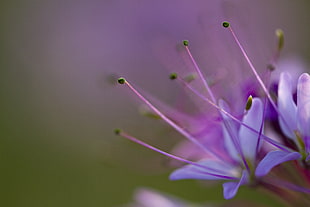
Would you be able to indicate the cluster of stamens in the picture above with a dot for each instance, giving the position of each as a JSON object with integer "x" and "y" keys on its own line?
{"x": 212, "y": 101}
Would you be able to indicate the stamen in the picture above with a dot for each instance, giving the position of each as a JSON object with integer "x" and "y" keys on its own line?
{"x": 234, "y": 137}
{"x": 280, "y": 36}
{"x": 249, "y": 103}
{"x": 148, "y": 113}
{"x": 185, "y": 43}
{"x": 117, "y": 131}
{"x": 189, "y": 78}
{"x": 121, "y": 80}
{"x": 251, "y": 65}
{"x": 173, "y": 76}
{"x": 225, "y": 24}
{"x": 229, "y": 129}
{"x": 267, "y": 139}
{"x": 170, "y": 122}
{"x": 133, "y": 139}
{"x": 255, "y": 73}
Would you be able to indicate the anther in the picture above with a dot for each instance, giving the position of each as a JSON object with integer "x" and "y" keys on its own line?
{"x": 148, "y": 113}
{"x": 249, "y": 103}
{"x": 225, "y": 24}
{"x": 271, "y": 67}
{"x": 117, "y": 131}
{"x": 280, "y": 36}
{"x": 185, "y": 43}
{"x": 121, "y": 80}
{"x": 173, "y": 76}
{"x": 189, "y": 78}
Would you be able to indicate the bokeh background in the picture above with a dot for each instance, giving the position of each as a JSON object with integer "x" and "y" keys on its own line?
{"x": 60, "y": 104}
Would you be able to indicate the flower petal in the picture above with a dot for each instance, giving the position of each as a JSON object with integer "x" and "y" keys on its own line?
{"x": 249, "y": 139}
{"x": 274, "y": 158}
{"x": 151, "y": 198}
{"x": 231, "y": 188}
{"x": 303, "y": 106}
{"x": 287, "y": 107}
{"x": 219, "y": 171}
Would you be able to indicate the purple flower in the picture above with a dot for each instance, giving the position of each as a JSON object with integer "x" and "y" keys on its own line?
{"x": 238, "y": 162}
{"x": 241, "y": 147}
{"x": 294, "y": 121}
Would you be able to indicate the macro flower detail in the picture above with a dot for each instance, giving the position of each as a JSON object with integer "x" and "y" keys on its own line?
{"x": 241, "y": 148}
{"x": 294, "y": 120}
{"x": 239, "y": 157}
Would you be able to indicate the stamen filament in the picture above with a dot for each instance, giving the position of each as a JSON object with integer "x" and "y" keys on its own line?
{"x": 256, "y": 74}
{"x": 171, "y": 123}
{"x": 269, "y": 140}
{"x": 200, "y": 73}
{"x": 252, "y": 67}
{"x": 234, "y": 137}
{"x": 133, "y": 139}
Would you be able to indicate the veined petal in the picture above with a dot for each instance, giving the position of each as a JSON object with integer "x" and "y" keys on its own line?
{"x": 249, "y": 139}
{"x": 231, "y": 188}
{"x": 303, "y": 106}
{"x": 221, "y": 171}
{"x": 274, "y": 158}
{"x": 229, "y": 145}
{"x": 287, "y": 106}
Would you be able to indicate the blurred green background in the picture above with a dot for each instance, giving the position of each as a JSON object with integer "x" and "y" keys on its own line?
{"x": 59, "y": 107}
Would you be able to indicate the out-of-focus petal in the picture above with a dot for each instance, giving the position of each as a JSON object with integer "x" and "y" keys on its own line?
{"x": 248, "y": 139}
{"x": 194, "y": 172}
{"x": 145, "y": 197}
{"x": 231, "y": 188}
{"x": 274, "y": 158}
{"x": 303, "y": 107}
{"x": 286, "y": 106}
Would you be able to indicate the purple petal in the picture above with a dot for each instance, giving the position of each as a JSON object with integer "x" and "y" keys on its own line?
{"x": 221, "y": 171}
{"x": 287, "y": 106}
{"x": 303, "y": 106}
{"x": 229, "y": 145}
{"x": 249, "y": 139}
{"x": 152, "y": 198}
{"x": 231, "y": 188}
{"x": 274, "y": 158}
